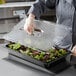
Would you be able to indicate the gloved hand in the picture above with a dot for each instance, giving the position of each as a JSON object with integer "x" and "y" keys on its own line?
{"x": 29, "y": 24}
{"x": 74, "y": 51}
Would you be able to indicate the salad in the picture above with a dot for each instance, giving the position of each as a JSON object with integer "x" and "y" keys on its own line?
{"x": 45, "y": 56}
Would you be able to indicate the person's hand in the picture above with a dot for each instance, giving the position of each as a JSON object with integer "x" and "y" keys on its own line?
{"x": 29, "y": 24}
{"x": 74, "y": 51}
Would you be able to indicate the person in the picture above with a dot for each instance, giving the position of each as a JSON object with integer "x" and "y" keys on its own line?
{"x": 65, "y": 13}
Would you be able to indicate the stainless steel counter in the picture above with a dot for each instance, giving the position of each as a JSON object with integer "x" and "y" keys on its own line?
{"x": 16, "y": 4}
{"x": 8, "y": 68}
{"x": 12, "y": 68}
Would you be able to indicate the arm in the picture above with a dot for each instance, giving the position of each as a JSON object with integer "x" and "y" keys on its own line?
{"x": 39, "y": 7}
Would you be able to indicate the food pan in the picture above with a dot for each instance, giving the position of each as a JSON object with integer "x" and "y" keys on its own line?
{"x": 33, "y": 60}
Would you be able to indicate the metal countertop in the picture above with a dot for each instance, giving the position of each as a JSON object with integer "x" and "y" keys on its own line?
{"x": 11, "y": 68}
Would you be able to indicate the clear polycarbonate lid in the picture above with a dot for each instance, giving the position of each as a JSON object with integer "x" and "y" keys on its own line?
{"x": 43, "y": 35}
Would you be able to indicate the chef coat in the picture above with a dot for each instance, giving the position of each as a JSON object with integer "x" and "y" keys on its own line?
{"x": 64, "y": 13}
